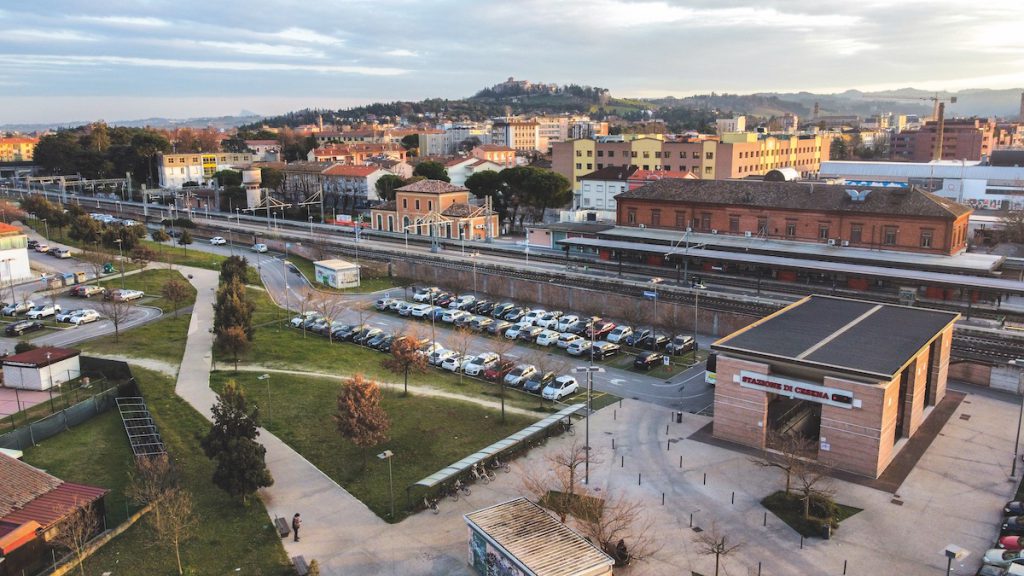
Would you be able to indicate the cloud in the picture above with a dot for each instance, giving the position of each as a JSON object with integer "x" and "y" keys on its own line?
{"x": 144, "y": 21}
{"x": 181, "y": 64}
{"x": 401, "y": 53}
{"x": 250, "y": 48}
{"x": 36, "y": 35}
{"x": 305, "y": 35}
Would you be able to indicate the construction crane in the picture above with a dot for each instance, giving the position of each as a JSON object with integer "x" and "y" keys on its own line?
{"x": 938, "y": 114}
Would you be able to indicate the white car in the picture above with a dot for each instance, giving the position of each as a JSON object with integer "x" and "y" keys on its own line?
{"x": 395, "y": 303}
{"x": 562, "y": 386}
{"x": 452, "y": 363}
{"x": 405, "y": 308}
{"x": 547, "y": 338}
{"x": 518, "y": 375}
{"x": 565, "y": 321}
{"x": 42, "y": 247}
{"x": 126, "y": 295}
{"x": 260, "y": 248}
{"x": 533, "y": 315}
{"x": 453, "y": 315}
{"x": 513, "y": 332}
{"x": 383, "y": 303}
{"x": 218, "y": 241}
{"x": 462, "y": 301}
{"x": 549, "y": 320}
{"x": 565, "y": 340}
{"x": 66, "y": 315}
{"x": 619, "y": 334}
{"x": 298, "y": 321}
{"x": 579, "y": 347}
{"x": 42, "y": 311}
{"x": 440, "y": 355}
{"x": 17, "y": 308}
{"x": 424, "y": 294}
{"x": 1003, "y": 558}
{"x": 85, "y": 317}
{"x": 421, "y": 310}
{"x": 479, "y": 363}
{"x": 430, "y": 349}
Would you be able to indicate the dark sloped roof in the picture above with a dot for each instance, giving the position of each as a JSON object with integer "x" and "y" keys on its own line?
{"x": 432, "y": 187}
{"x": 21, "y": 484}
{"x": 799, "y": 196}
{"x": 620, "y": 173}
{"x": 37, "y": 357}
{"x": 458, "y": 210}
{"x": 390, "y": 205}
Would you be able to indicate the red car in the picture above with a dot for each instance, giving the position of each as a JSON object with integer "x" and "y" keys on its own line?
{"x": 498, "y": 371}
{"x": 600, "y": 328}
{"x": 1012, "y": 543}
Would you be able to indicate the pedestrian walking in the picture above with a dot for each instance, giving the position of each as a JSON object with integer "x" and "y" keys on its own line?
{"x": 296, "y": 524}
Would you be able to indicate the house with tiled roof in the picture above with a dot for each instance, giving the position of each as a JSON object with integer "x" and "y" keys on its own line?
{"x": 459, "y": 169}
{"x": 504, "y": 156}
{"x": 17, "y": 149}
{"x": 905, "y": 219}
{"x": 359, "y": 183}
{"x": 33, "y": 504}
{"x": 435, "y": 208}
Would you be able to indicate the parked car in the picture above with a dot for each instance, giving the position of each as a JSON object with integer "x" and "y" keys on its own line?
{"x": 501, "y": 309}
{"x": 513, "y": 332}
{"x": 604, "y": 349}
{"x": 218, "y": 241}
{"x": 647, "y": 360}
{"x": 301, "y": 319}
{"x": 547, "y": 337}
{"x": 43, "y": 248}
{"x": 637, "y": 336}
{"x": 424, "y": 294}
{"x": 516, "y": 314}
{"x": 40, "y": 311}
{"x": 1013, "y": 525}
{"x": 395, "y": 303}
{"x": 385, "y": 344}
{"x": 462, "y": 302}
{"x": 85, "y": 317}
{"x": 123, "y": 295}
{"x": 518, "y": 375}
{"x": 452, "y": 363}
{"x": 438, "y": 356}
{"x": 32, "y": 244}
{"x": 1011, "y": 542}
{"x": 561, "y": 387}
{"x": 480, "y": 363}
{"x": 464, "y": 321}
{"x": 533, "y": 315}
{"x": 65, "y": 315}
{"x": 578, "y": 327}
{"x": 620, "y": 333}
{"x": 375, "y": 341}
{"x": 565, "y": 321}
{"x": 1003, "y": 558}
{"x": 423, "y": 310}
{"x": 62, "y": 253}
{"x": 483, "y": 308}
{"x": 1011, "y": 570}
{"x": 599, "y": 329}
{"x": 530, "y": 333}
{"x": 367, "y": 335}
{"x": 538, "y": 382}
{"x": 499, "y": 327}
{"x": 16, "y": 308}
{"x": 22, "y": 326}
{"x": 1014, "y": 508}
{"x": 259, "y": 248}
{"x": 680, "y": 344}
{"x": 566, "y": 339}
{"x": 481, "y": 323}
{"x": 405, "y": 308}
{"x": 579, "y": 347}
{"x": 453, "y": 314}
{"x": 86, "y": 290}
{"x": 549, "y": 320}
{"x": 499, "y": 370}
{"x": 383, "y": 303}
{"x": 337, "y": 333}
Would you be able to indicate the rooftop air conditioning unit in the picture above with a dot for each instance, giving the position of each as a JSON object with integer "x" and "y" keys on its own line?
{"x": 831, "y": 242}
{"x": 714, "y": 231}
{"x": 747, "y": 234}
{"x": 845, "y": 243}
{"x": 643, "y": 225}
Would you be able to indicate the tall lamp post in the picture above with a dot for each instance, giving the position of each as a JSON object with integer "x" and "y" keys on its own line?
{"x": 474, "y": 256}
{"x": 654, "y": 319}
{"x": 267, "y": 378}
{"x": 586, "y": 439}
{"x": 120, "y": 252}
{"x": 46, "y": 227}
{"x": 954, "y": 552}
{"x": 388, "y": 455}
{"x": 1019, "y": 363}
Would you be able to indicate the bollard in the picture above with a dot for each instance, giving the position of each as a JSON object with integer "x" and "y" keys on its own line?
{"x": 613, "y": 443}
{"x": 620, "y": 402}
{"x": 662, "y": 498}
{"x": 759, "y": 568}
{"x": 666, "y": 429}
{"x": 680, "y": 460}
{"x": 844, "y": 567}
{"x": 733, "y": 499}
{"x": 622, "y": 463}
{"x": 705, "y": 478}
{"x": 691, "y": 519}
{"x": 801, "y": 542}
{"x": 668, "y": 445}
{"x": 638, "y": 475}
{"x": 615, "y": 414}
{"x": 765, "y": 523}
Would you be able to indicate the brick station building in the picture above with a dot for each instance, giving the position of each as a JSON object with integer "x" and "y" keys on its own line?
{"x": 856, "y": 378}
{"x": 905, "y": 219}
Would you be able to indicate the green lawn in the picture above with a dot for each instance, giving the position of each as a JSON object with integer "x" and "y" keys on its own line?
{"x": 427, "y": 434}
{"x": 790, "y": 509}
{"x": 179, "y": 255}
{"x": 372, "y": 279}
{"x": 231, "y": 538}
{"x": 162, "y": 340}
{"x": 152, "y": 282}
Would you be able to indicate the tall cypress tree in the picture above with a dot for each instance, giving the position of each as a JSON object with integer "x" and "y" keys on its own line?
{"x": 232, "y": 308}
{"x": 231, "y": 442}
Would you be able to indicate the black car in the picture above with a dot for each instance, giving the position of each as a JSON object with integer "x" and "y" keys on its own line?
{"x": 19, "y": 328}
{"x": 376, "y": 341}
{"x": 500, "y": 310}
{"x": 538, "y": 382}
{"x": 349, "y": 333}
{"x": 603, "y": 350}
{"x": 652, "y": 342}
{"x": 32, "y": 244}
{"x": 483, "y": 307}
{"x": 1014, "y": 508}
{"x": 385, "y": 345}
{"x": 648, "y": 359}
{"x": 365, "y": 336}
{"x": 637, "y": 336}
{"x": 480, "y": 323}
{"x": 498, "y": 327}
{"x": 578, "y": 327}
{"x": 1013, "y": 526}
{"x": 337, "y": 333}
{"x": 681, "y": 344}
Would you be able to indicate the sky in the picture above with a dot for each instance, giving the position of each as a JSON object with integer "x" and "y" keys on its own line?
{"x": 76, "y": 60}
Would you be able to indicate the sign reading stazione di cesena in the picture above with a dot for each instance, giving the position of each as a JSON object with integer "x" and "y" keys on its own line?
{"x": 797, "y": 389}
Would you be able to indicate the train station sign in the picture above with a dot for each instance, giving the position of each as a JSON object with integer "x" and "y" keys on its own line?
{"x": 798, "y": 389}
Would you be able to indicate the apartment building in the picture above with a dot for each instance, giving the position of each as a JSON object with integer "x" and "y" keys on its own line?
{"x": 962, "y": 139}
{"x": 735, "y": 155}
{"x": 500, "y": 155}
{"x": 520, "y": 135}
{"x": 17, "y": 149}
{"x": 177, "y": 169}
{"x": 356, "y": 154}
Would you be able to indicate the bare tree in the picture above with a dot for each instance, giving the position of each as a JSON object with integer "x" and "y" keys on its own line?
{"x": 460, "y": 341}
{"x": 712, "y": 542}
{"x": 177, "y": 521}
{"x": 502, "y": 347}
{"x": 75, "y": 531}
{"x": 562, "y": 475}
{"x": 307, "y": 297}
{"x": 117, "y": 311}
{"x": 330, "y": 307}
{"x": 792, "y": 449}
{"x": 152, "y": 478}
{"x": 618, "y": 525}
{"x": 813, "y": 483}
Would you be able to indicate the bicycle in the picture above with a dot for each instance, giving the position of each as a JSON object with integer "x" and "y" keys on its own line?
{"x": 568, "y": 427}
{"x": 460, "y": 486}
{"x": 431, "y": 503}
{"x": 479, "y": 475}
{"x": 485, "y": 473}
{"x": 497, "y": 463}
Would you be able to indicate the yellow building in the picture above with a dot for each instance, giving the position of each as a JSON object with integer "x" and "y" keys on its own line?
{"x": 17, "y": 149}
{"x": 176, "y": 169}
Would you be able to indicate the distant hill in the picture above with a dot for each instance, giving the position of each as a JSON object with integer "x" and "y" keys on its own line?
{"x": 220, "y": 122}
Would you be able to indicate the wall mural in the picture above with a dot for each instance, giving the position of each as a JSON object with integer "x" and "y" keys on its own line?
{"x": 488, "y": 560}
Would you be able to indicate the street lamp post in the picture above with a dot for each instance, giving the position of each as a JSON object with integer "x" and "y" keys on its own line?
{"x": 267, "y": 378}
{"x": 46, "y": 227}
{"x": 474, "y": 256}
{"x": 654, "y": 320}
{"x": 953, "y": 552}
{"x": 1019, "y": 363}
{"x": 120, "y": 252}
{"x": 310, "y": 224}
{"x": 586, "y": 439}
{"x": 388, "y": 455}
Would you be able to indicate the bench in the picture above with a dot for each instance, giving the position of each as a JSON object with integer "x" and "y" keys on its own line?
{"x": 301, "y": 568}
{"x": 283, "y": 529}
